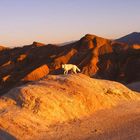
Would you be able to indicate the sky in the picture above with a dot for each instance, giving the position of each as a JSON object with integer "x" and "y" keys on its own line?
{"x": 58, "y": 21}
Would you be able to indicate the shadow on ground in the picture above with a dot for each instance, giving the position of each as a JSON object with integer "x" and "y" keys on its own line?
{"x": 6, "y": 136}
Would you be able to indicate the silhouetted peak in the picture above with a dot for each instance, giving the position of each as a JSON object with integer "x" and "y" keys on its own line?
{"x": 135, "y": 33}
{"x": 38, "y": 44}
{"x": 93, "y": 36}
{"x": 132, "y": 38}
{"x": 90, "y": 36}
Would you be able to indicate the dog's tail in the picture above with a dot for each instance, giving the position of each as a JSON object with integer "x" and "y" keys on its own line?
{"x": 78, "y": 69}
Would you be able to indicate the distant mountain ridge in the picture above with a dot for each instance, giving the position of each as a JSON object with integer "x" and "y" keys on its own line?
{"x": 66, "y": 43}
{"x": 131, "y": 39}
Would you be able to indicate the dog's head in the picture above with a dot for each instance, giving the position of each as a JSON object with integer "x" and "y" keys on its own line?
{"x": 63, "y": 65}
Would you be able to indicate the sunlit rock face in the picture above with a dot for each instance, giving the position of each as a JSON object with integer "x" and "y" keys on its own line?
{"x": 37, "y": 73}
{"x": 35, "y": 110}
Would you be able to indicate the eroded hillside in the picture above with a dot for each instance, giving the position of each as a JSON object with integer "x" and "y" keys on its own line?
{"x": 95, "y": 56}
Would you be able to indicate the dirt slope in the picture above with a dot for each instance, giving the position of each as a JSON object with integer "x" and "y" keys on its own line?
{"x": 55, "y": 106}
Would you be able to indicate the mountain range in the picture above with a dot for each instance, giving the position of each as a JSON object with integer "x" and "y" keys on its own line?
{"x": 96, "y": 56}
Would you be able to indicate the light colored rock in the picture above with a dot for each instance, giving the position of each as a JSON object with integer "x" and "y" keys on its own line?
{"x": 34, "y": 111}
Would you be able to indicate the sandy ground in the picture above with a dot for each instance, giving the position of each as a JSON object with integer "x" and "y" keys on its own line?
{"x": 118, "y": 123}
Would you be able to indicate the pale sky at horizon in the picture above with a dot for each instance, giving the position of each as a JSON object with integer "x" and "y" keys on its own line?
{"x": 57, "y": 21}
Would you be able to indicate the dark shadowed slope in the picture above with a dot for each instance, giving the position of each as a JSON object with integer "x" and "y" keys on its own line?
{"x": 131, "y": 39}
{"x": 134, "y": 86}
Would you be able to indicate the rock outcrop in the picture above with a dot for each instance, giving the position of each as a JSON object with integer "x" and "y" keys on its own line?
{"x": 37, "y": 73}
{"x": 35, "y": 110}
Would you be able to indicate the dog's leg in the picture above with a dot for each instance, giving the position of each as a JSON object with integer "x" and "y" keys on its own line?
{"x": 65, "y": 72}
{"x": 74, "y": 70}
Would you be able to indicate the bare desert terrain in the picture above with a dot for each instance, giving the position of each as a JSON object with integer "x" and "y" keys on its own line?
{"x": 70, "y": 107}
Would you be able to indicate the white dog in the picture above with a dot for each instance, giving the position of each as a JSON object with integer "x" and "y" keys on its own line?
{"x": 68, "y": 67}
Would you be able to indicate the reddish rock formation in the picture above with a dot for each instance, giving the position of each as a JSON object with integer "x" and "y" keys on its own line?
{"x": 38, "y": 44}
{"x": 21, "y": 57}
{"x": 95, "y": 56}
{"x": 37, "y": 73}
